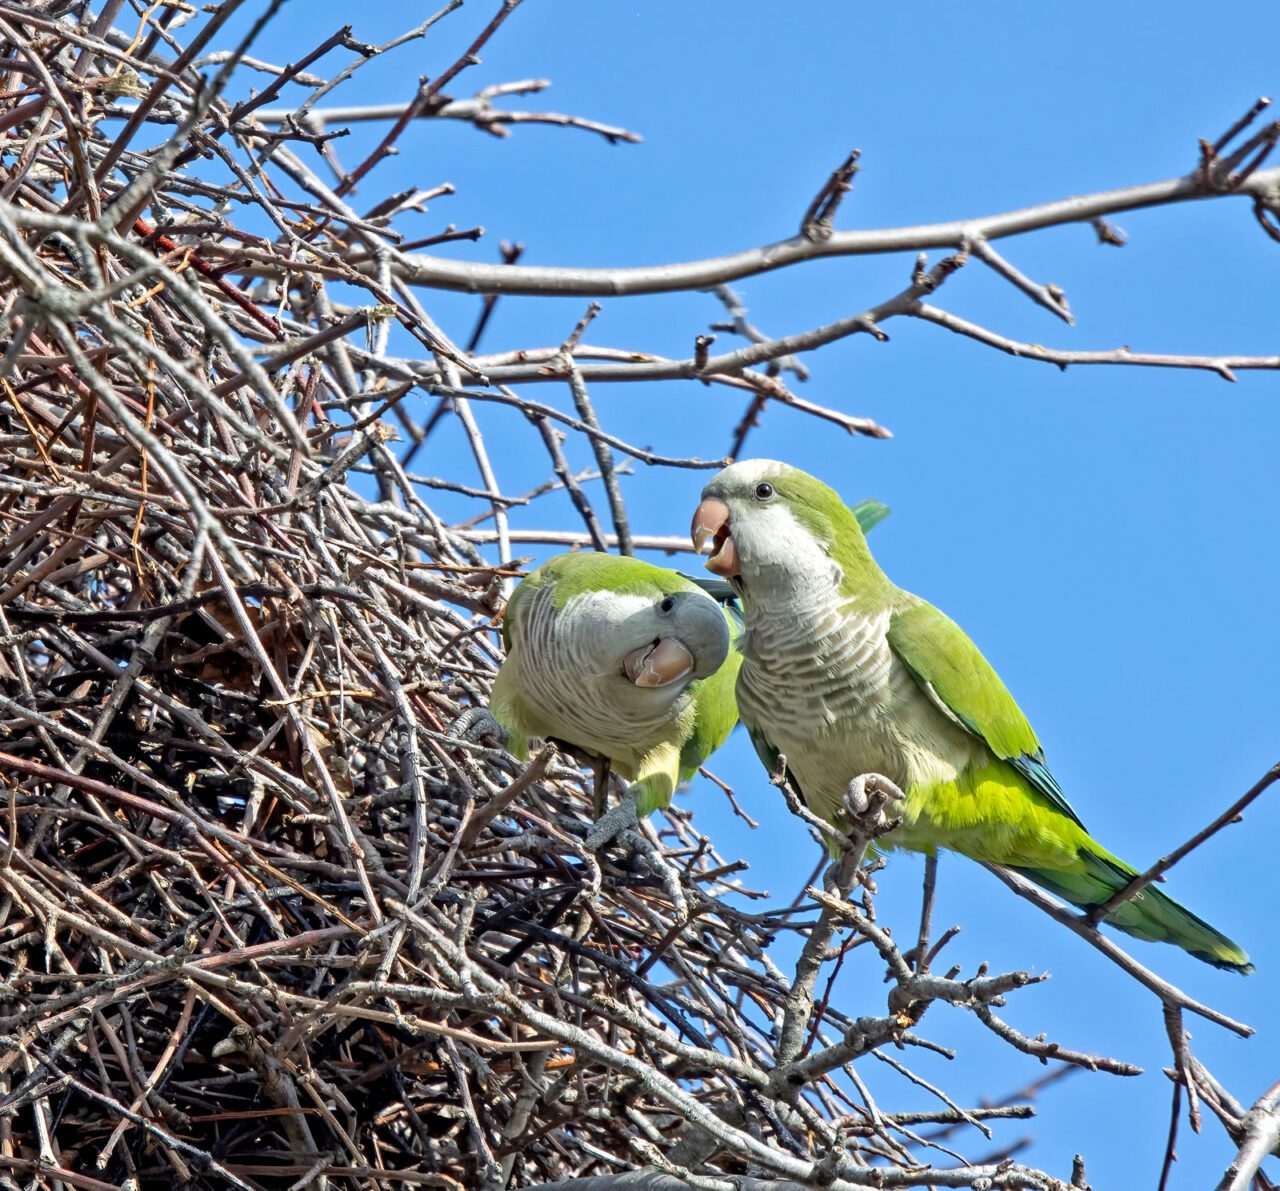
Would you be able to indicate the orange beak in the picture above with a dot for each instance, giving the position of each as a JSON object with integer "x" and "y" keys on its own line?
{"x": 664, "y": 662}
{"x": 710, "y": 527}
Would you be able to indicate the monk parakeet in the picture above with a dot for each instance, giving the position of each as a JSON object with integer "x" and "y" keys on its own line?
{"x": 846, "y": 674}
{"x": 623, "y": 660}
{"x": 627, "y": 662}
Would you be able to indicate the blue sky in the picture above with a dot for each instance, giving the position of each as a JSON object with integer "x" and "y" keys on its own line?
{"x": 1107, "y": 536}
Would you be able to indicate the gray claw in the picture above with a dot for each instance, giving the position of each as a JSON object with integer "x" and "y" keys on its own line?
{"x": 477, "y": 724}
{"x": 613, "y": 823}
{"x": 868, "y": 803}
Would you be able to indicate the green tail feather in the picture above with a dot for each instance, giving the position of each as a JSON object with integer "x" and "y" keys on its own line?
{"x": 1151, "y": 915}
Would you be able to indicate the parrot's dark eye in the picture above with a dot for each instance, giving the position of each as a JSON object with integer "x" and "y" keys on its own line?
{"x": 667, "y": 604}
{"x": 764, "y": 492}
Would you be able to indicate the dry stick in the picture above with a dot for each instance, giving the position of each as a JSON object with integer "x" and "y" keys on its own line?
{"x": 538, "y": 365}
{"x": 478, "y": 110}
{"x": 1259, "y": 106}
{"x": 559, "y": 281}
{"x": 818, "y": 218}
{"x": 462, "y": 408}
{"x": 450, "y": 235}
{"x": 425, "y": 98}
{"x": 604, "y": 460}
{"x": 1167, "y": 992}
{"x": 74, "y": 134}
{"x": 1232, "y": 814}
{"x": 1224, "y": 366}
{"x": 532, "y": 773}
{"x": 861, "y": 830}
{"x": 510, "y": 254}
{"x": 551, "y": 439}
{"x": 1217, "y": 171}
{"x": 666, "y": 544}
{"x": 1178, "y": 1041}
{"x": 1044, "y": 1051}
{"x": 505, "y": 397}
{"x": 866, "y": 322}
{"x": 799, "y": 1003}
{"x": 1171, "y": 1141}
{"x": 668, "y": 1091}
{"x": 929, "y": 889}
{"x": 288, "y": 74}
{"x": 1050, "y": 297}
{"x": 550, "y": 485}
{"x": 32, "y": 613}
{"x": 1225, "y": 1106}
{"x": 163, "y": 1136}
{"x": 742, "y": 326}
{"x": 128, "y": 203}
{"x": 1261, "y": 1128}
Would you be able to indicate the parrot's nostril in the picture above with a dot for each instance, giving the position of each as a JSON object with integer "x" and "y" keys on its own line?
{"x": 667, "y": 604}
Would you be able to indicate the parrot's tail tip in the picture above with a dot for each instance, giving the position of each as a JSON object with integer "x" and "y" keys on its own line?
{"x": 1242, "y": 967}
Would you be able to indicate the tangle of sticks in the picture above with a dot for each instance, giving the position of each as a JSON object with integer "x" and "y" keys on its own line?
{"x": 263, "y": 923}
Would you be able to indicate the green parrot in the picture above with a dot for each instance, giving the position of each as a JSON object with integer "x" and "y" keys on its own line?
{"x": 846, "y": 674}
{"x": 627, "y": 662}
{"x": 622, "y": 660}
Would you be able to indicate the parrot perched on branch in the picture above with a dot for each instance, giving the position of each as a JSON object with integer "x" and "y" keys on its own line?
{"x": 845, "y": 675}
{"x": 623, "y": 660}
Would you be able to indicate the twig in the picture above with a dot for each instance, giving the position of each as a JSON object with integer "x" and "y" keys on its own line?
{"x": 1224, "y": 366}
{"x": 1167, "y": 992}
{"x": 818, "y": 218}
{"x": 604, "y": 459}
{"x": 1261, "y": 1125}
{"x": 470, "y": 277}
{"x": 1232, "y": 814}
{"x": 478, "y": 111}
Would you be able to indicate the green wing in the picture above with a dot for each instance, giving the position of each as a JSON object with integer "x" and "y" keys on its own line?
{"x": 715, "y": 706}
{"x": 955, "y": 675}
{"x": 764, "y": 749}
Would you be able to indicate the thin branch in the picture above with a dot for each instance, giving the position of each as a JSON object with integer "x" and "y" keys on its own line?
{"x": 1232, "y": 814}
{"x": 478, "y": 111}
{"x": 1261, "y": 1125}
{"x": 1167, "y": 992}
{"x": 1050, "y": 297}
{"x": 472, "y": 277}
{"x": 1224, "y": 366}
{"x": 604, "y": 459}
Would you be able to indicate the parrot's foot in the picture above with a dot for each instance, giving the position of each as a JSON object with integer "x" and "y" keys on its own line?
{"x": 613, "y": 823}
{"x": 622, "y": 824}
{"x": 869, "y": 805}
{"x": 477, "y": 724}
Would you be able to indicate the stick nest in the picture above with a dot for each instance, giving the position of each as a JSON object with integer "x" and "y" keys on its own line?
{"x": 256, "y": 926}
{"x": 263, "y": 922}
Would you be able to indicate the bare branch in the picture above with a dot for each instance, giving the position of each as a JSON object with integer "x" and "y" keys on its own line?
{"x": 1232, "y": 814}
{"x": 1167, "y": 992}
{"x": 237, "y": 835}
{"x": 1224, "y": 366}
{"x": 478, "y": 111}
{"x": 469, "y": 277}
{"x": 1261, "y": 1126}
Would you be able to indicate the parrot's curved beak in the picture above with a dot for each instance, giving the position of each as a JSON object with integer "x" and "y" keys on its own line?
{"x": 658, "y": 664}
{"x": 711, "y": 527}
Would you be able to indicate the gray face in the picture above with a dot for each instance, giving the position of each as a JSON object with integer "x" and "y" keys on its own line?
{"x": 681, "y": 635}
